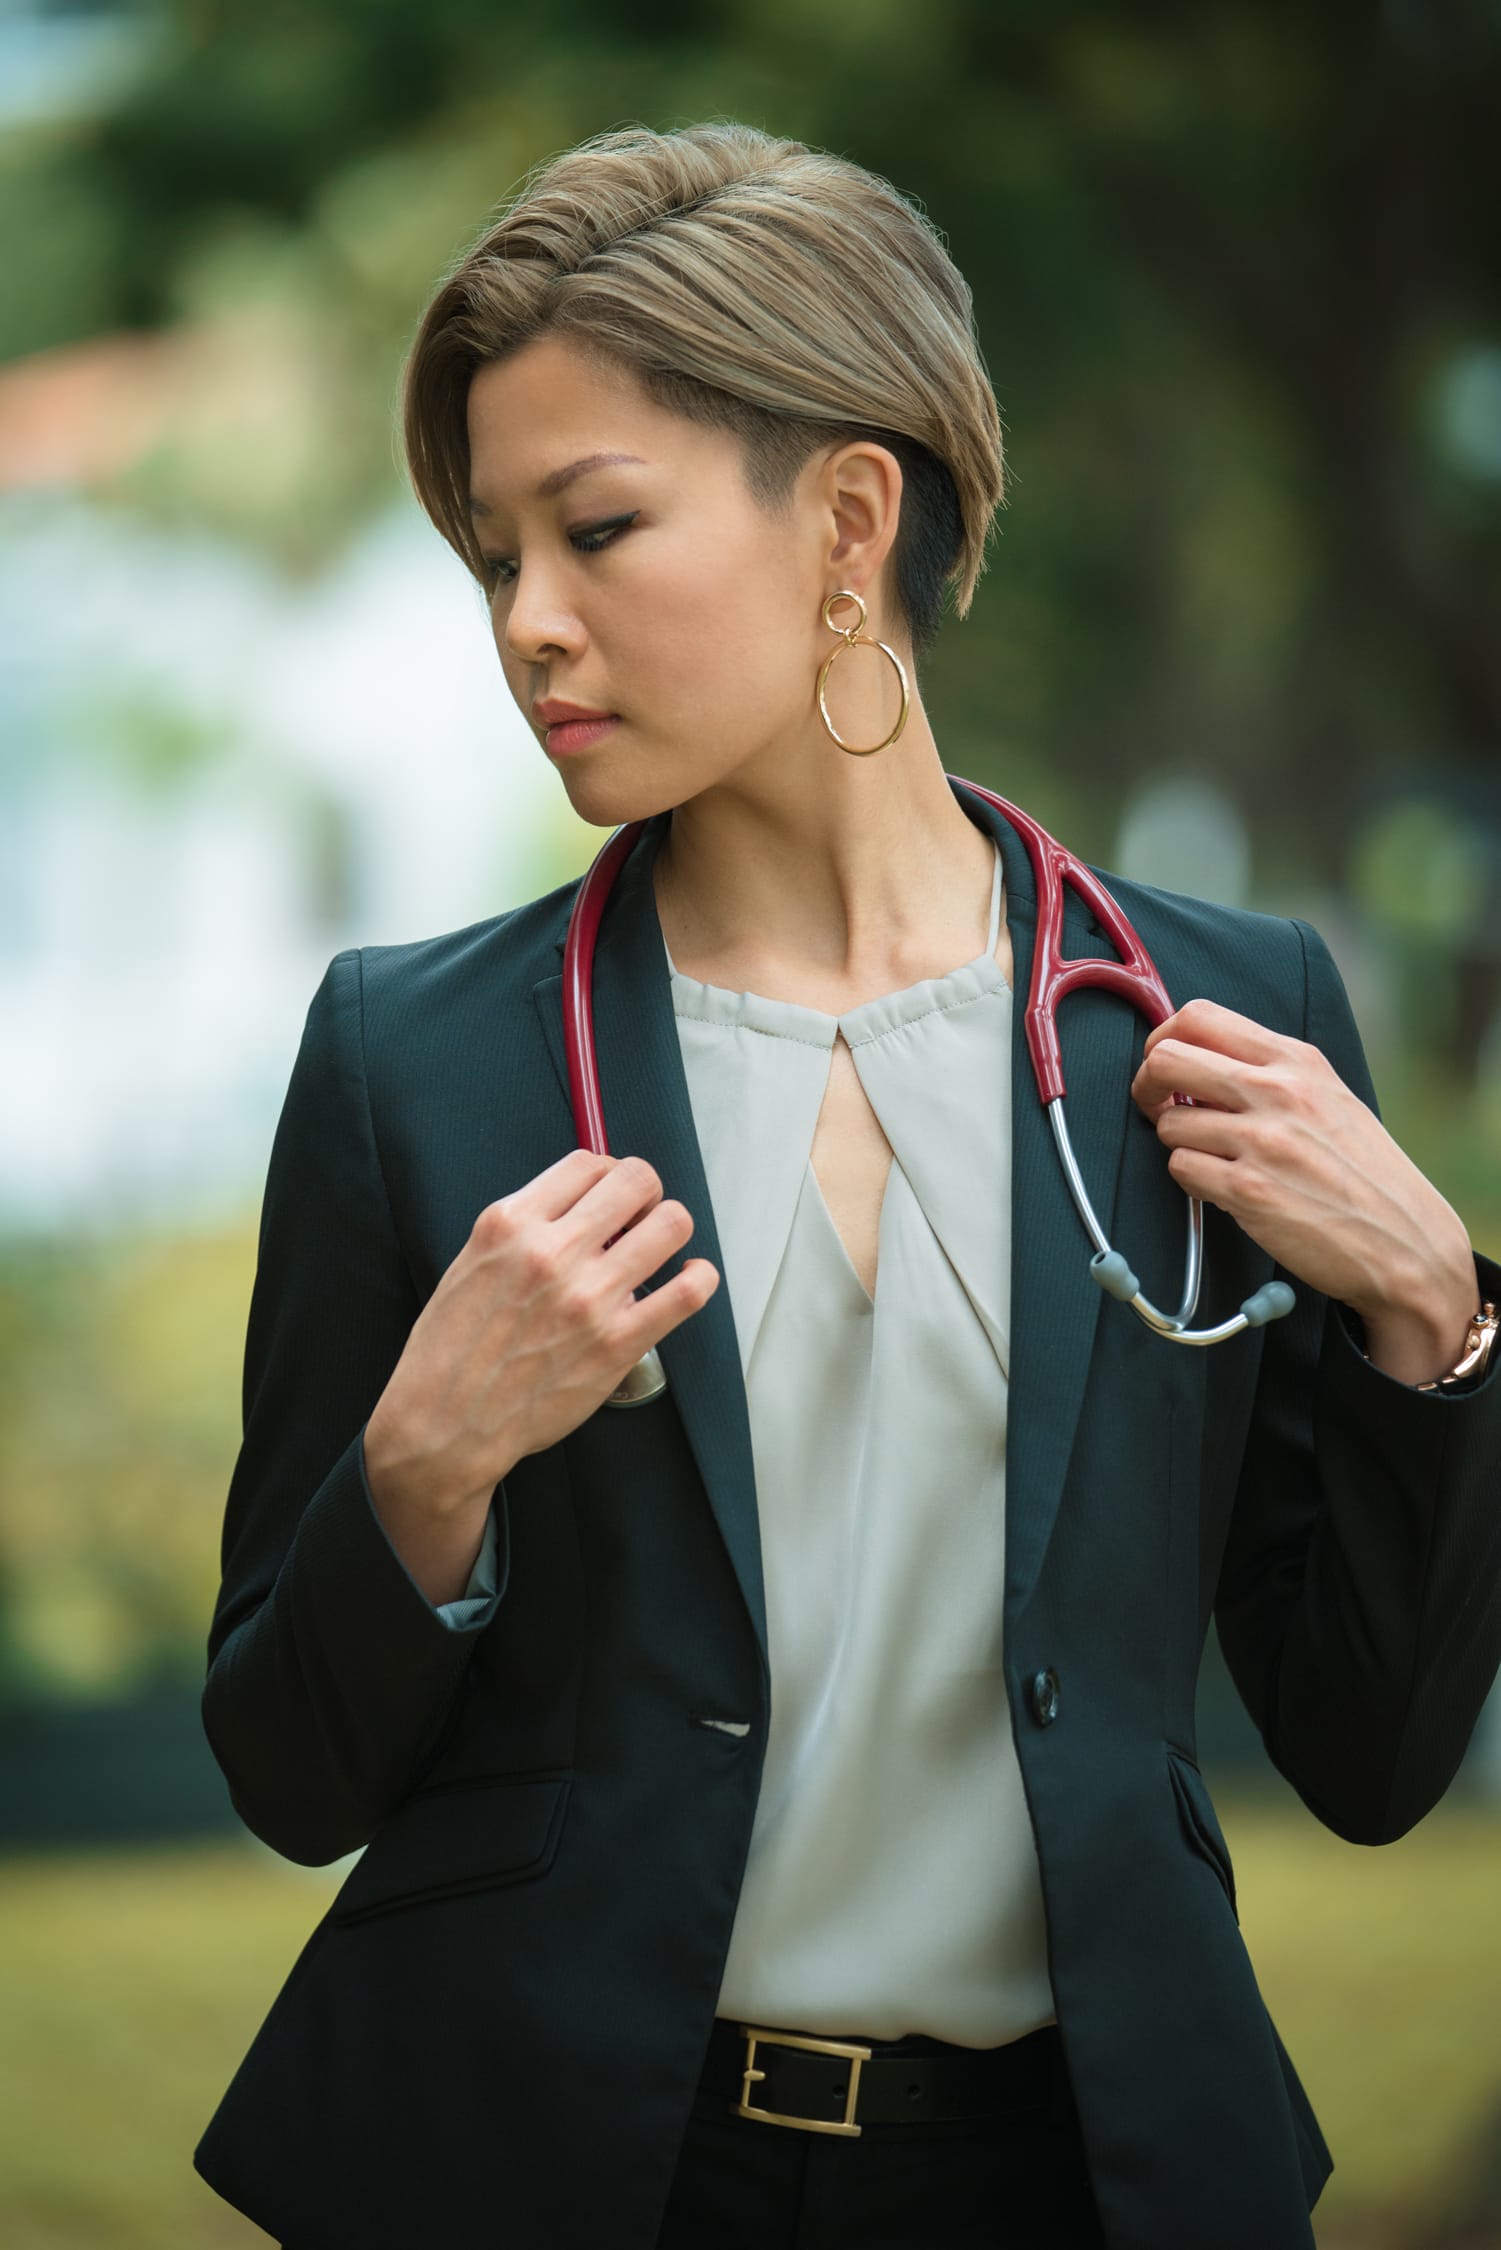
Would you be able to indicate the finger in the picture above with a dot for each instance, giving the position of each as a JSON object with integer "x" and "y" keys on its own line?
{"x": 1157, "y": 1110}
{"x": 558, "y": 1189}
{"x": 1203, "y": 1131}
{"x": 1200, "y": 1173}
{"x": 635, "y": 1254}
{"x": 612, "y": 1205}
{"x": 1204, "y": 1023}
{"x": 1204, "y": 1072}
{"x": 662, "y": 1310}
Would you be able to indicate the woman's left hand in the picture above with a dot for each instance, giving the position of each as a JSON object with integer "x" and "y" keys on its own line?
{"x": 1278, "y": 1140}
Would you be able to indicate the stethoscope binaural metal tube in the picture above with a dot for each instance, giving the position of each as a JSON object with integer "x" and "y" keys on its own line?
{"x": 1133, "y": 977}
{"x": 1117, "y": 1280}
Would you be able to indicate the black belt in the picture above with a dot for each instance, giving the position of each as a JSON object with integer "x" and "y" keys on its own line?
{"x": 824, "y": 2085}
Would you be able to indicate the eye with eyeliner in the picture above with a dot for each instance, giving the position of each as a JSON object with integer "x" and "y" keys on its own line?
{"x": 589, "y": 539}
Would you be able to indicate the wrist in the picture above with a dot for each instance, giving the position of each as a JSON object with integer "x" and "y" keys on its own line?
{"x": 408, "y": 1475}
{"x": 1422, "y": 1342}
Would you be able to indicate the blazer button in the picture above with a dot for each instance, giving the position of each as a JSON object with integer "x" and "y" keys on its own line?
{"x": 1045, "y": 1697}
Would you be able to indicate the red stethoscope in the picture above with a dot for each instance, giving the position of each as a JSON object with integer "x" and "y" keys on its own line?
{"x": 1133, "y": 977}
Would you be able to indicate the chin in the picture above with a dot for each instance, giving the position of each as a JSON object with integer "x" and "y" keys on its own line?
{"x": 612, "y": 799}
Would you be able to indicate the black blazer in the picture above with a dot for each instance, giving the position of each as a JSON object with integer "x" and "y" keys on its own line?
{"x": 494, "y": 2033}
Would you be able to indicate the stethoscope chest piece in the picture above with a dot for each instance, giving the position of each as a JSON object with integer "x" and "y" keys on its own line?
{"x": 647, "y": 1379}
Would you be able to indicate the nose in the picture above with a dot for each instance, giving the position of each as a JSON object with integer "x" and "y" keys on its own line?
{"x": 538, "y": 622}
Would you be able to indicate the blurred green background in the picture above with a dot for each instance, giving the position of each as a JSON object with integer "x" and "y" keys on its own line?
{"x": 1238, "y": 284}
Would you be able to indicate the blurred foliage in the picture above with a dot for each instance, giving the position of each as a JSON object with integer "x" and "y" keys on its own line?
{"x": 141, "y": 735}
{"x": 1225, "y": 265}
{"x": 119, "y": 1397}
{"x": 1385, "y": 2007}
{"x": 1237, "y": 283}
{"x": 1232, "y": 269}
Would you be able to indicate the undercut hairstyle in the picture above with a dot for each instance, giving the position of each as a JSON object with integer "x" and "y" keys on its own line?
{"x": 753, "y": 284}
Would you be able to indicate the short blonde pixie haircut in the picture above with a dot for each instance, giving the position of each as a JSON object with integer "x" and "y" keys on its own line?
{"x": 753, "y": 284}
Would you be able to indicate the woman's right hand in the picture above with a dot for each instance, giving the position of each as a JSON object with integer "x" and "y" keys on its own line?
{"x": 532, "y": 1326}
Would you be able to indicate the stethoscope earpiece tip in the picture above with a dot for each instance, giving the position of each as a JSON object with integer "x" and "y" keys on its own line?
{"x": 1270, "y": 1302}
{"x": 1114, "y": 1275}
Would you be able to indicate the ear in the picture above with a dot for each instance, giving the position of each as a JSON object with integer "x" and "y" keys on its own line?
{"x": 861, "y": 490}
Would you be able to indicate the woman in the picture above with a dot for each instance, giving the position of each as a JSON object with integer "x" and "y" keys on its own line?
{"x": 841, "y": 1693}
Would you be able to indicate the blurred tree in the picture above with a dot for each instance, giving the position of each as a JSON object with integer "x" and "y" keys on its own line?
{"x": 1237, "y": 282}
{"x": 1237, "y": 278}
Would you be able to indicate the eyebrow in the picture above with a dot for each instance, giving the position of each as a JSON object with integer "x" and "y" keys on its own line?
{"x": 560, "y": 479}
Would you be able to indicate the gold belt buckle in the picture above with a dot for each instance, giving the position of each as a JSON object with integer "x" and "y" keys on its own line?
{"x": 857, "y": 2055}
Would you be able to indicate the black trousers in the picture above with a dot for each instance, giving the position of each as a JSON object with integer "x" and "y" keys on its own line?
{"x": 1017, "y": 2177}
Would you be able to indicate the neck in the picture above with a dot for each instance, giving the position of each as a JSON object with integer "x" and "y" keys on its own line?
{"x": 857, "y": 876}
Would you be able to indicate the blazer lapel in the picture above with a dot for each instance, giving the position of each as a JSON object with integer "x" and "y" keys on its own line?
{"x": 1055, "y": 1302}
{"x": 648, "y": 1113}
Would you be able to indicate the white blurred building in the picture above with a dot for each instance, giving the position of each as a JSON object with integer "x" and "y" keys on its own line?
{"x": 210, "y": 783}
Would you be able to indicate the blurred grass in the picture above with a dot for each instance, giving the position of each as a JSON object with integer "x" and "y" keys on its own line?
{"x": 131, "y": 1984}
{"x": 1381, "y": 1968}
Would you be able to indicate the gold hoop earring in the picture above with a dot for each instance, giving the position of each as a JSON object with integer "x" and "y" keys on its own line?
{"x": 855, "y": 636}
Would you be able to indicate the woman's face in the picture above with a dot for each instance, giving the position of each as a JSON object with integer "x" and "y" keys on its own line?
{"x": 632, "y": 573}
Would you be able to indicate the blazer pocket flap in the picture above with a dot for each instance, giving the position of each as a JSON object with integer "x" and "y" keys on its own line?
{"x": 456, "y": 1839}
{"x": 1200, "y": 1821}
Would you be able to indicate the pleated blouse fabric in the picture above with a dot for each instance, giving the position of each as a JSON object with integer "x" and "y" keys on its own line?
{"x": 892, "y": 1884}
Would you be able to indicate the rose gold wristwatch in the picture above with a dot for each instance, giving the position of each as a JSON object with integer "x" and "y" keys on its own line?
{"x": 1480, "y": 1338}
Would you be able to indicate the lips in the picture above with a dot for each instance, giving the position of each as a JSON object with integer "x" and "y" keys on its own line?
{"x": 553, "y": 711}
{"x": 577, "y": 734}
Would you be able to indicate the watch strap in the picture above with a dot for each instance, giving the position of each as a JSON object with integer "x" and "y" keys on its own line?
{"x": 1480, "y": 1342}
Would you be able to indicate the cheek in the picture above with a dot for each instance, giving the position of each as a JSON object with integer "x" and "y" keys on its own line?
{"x": 714, "y": 632}
{"x": 517, "y": 674}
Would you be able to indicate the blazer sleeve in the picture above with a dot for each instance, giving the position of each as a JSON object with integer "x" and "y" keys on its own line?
{"x": 331, "y": 1676}
{"x": 1359, "y": 1597}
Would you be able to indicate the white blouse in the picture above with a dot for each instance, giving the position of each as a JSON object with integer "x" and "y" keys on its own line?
{"x": 892, "y": 1884}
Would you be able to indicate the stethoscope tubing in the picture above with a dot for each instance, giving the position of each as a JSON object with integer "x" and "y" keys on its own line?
{"x": 1132, "y": 977}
